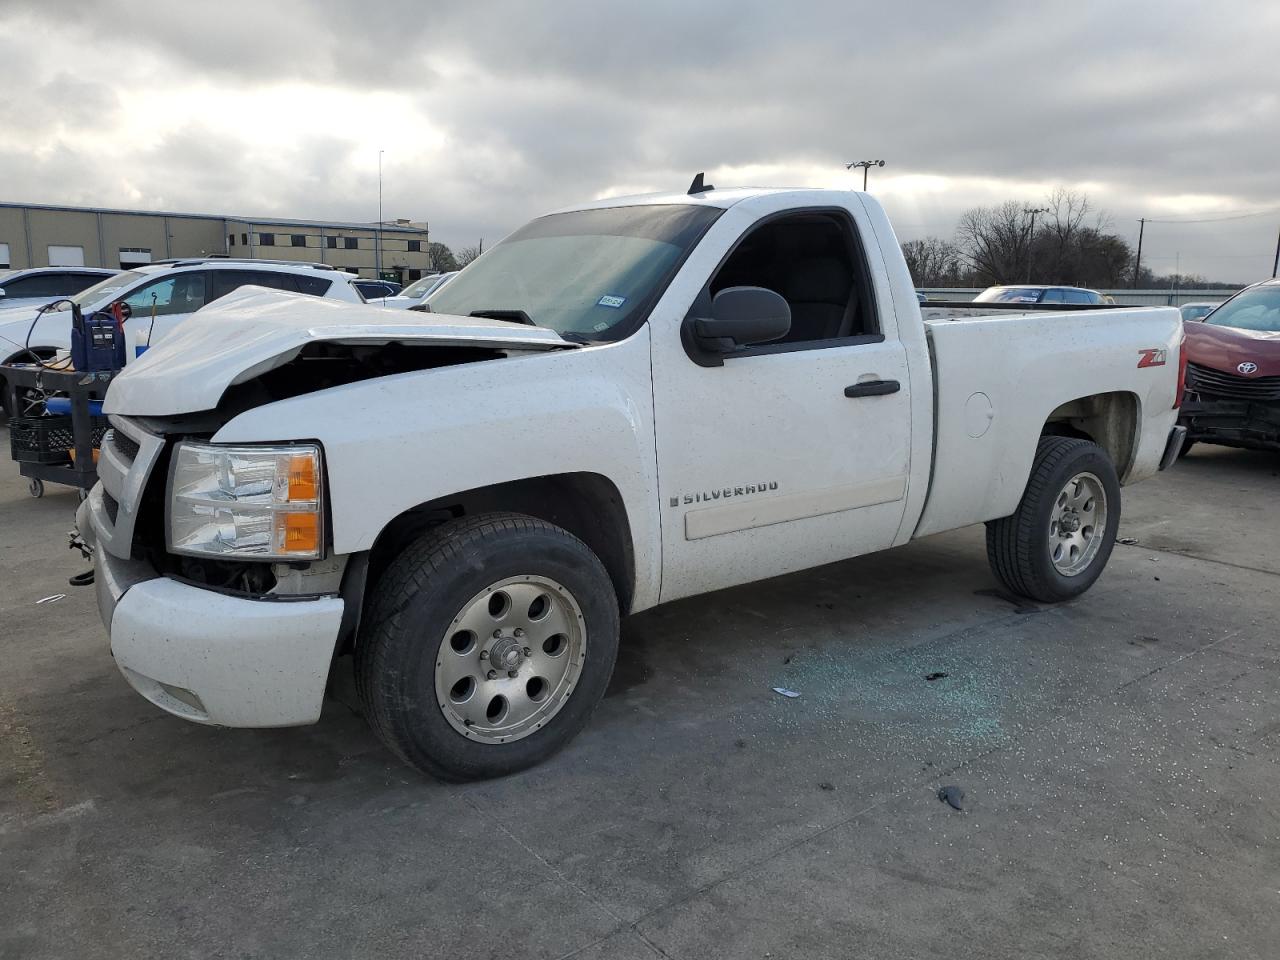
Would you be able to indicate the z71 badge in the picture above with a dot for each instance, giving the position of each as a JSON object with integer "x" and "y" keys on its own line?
{"x": 1152, "y": 357}
{"x": 725, "y": 494}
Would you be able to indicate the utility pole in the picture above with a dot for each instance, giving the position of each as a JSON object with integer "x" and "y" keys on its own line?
{"x": 377, "y": 241}
{"x": 1137, "y": 261}
{"x": 865, "y": 165}
{"x": 1031, "y": 239}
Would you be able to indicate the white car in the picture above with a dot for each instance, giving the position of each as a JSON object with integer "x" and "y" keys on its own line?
{"x": 1038, "y": 293}
{"x": 160, "y": 296}
{"x": 620, "y": 405}
{"x": 416, "y": 293}
{"x": 39, "y": 285}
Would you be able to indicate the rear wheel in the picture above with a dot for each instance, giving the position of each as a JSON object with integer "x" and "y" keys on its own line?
{"x": 489, "y": 642}
{"x": 1056, "y": 544}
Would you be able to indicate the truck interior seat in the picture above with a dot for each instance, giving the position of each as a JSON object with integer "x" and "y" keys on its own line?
{"x": 818, "y": 292}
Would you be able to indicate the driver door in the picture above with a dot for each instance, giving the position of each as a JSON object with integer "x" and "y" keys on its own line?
{"x": 793, "y": 453}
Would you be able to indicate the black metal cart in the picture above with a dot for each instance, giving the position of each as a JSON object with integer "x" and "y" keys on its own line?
{"x": 56, "y": 449}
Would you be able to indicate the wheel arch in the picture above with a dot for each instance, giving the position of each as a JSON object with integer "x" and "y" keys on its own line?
{"x": 1110, "y": 420}
{"x": 588, "y": 505}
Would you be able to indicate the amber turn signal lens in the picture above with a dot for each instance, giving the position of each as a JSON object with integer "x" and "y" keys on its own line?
{"x": 301, "y": 533}
{"x": 302, "y": 478}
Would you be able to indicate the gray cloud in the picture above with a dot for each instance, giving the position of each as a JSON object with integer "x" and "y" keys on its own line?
{"x": 542, "y": 105}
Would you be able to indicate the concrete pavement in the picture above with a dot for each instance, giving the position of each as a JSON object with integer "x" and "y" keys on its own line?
{"x": 1118, "y": 755}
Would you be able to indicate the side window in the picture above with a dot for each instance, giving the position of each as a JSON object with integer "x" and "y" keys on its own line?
{"x": 1054, "y": 295}
{"x": 26, "y": 287}
{"x": 814, "y": 262}
{"x": 83, "y": 281}
{"x": 1082, "y": 296}
{"x": 315, "y": 286}
{"x": 224, "y": 281}
{"x": 181, "y": 293}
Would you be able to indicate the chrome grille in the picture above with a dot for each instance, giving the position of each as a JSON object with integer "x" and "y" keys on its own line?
{"x": 113, "y": 504}
{"x": 1207, "y": 381}
{"x": 127, "y": 446}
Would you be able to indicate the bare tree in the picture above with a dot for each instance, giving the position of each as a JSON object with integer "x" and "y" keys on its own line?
{"x": 466, "y": 254}
{"x": 933, "y": 262}
{"x": 995, "y": 241}
{"x": 1054, "y": 251}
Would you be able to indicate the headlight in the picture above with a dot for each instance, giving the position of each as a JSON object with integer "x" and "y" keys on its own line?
{"x": 247, "y": 503}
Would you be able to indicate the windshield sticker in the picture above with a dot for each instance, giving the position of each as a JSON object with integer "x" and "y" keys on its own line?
{"x": 614, "y": 302}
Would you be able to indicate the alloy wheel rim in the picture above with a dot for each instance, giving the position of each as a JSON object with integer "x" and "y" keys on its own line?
{"x": 510, "y": 660}
{"x": 1077, "y": 524}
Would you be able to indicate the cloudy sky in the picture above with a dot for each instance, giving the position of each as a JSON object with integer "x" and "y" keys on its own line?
{"x": 492, "y": 112}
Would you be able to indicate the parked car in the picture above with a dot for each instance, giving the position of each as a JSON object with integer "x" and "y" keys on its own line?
{"x": 1197, "y": 311}
{"x": 1233, "y": 372}
{"x": 160, "y": 296}
{"x": 376, "y": 290}
{"x": 415, "y": 294}
{"x": 921, "y": 298}
{"x": 1030, "y": 293}
{"x": 38, "y": 285}
{"x": 620, "y": 405}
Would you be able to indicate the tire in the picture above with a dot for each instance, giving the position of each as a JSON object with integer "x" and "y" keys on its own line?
{"x": 1030, "y": 552}
{"x": 444, "y": 586}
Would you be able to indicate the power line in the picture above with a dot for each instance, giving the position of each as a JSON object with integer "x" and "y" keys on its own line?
{"x": 1239, "y": 216}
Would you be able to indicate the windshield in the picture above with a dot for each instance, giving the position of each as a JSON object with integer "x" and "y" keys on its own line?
{"x": 1008, "y": 295}
{"x": 419, "y": 288}
{"x": 581, "y": 273}
{"x": 1256, "y": 309}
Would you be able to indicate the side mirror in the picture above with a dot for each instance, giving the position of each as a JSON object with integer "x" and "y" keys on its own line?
{"x": 122, "y": 310}
{"x": 741, "y": 316}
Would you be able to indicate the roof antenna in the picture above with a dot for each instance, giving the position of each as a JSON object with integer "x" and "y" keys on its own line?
{"x": 698, "y": 186}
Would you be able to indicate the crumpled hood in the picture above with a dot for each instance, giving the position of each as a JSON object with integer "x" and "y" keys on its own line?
{"x": 253, "y": 330}
{"x": 1225, "y": 348}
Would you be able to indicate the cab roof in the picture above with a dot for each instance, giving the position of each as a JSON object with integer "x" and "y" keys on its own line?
{"x": 712, "y": 197}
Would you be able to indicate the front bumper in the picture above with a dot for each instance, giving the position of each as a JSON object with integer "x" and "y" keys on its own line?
{"x": 214, "y": 658}
{"x": 1234, "y": 423}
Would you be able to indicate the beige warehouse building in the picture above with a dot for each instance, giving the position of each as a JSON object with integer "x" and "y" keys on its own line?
{"x": 40, "y": 235}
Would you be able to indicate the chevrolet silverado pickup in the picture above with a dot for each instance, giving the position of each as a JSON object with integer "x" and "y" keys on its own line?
{"x": 622, "y": 404}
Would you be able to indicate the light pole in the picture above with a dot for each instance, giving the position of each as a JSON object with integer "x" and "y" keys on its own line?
{"x": 377, "y": 241}
{"x": 1031, "y": 237}
{"x": 865, "y": 165}
{"x": 1137, "y": 261}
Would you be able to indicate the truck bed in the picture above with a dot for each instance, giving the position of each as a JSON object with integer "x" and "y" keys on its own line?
{"x": 998, "y": 379}
{"x": 967, "y": 309}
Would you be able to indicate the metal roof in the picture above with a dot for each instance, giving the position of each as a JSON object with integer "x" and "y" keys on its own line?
{"x": 387, "y": 227}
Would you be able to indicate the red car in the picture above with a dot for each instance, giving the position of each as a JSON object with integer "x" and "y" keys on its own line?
{"x": 1233, "y": 372}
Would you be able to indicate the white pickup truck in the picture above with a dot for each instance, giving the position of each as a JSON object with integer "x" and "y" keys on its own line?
{"x": 622, "y": 404}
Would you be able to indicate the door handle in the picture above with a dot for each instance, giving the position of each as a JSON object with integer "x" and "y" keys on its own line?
{"x": 873, "y": 388}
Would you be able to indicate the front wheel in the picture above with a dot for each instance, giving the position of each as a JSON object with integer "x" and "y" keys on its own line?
{"x": 1056, "y": 544}
{"x": 489, "y": 642}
